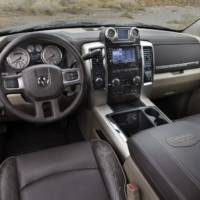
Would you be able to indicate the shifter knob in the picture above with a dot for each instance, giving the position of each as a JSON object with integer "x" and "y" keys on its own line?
{"x": 116, "y": 82}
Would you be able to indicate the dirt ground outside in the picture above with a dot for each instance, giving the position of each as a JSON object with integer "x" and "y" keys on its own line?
{"x": 176, "y": 14}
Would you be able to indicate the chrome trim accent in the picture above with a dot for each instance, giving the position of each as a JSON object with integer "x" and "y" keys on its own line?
{"x": 131, "y": 36}
{"x": 21, "y": 83}
{"x": 44, "y": 59}
{"x": 96, "y": 97}
{"x": 178, "y": 65}
{"x": 115, "y": 35}
{"x": 10, "y": 62}
{"x": 148, "y": 83}
{"x": 147, "y": 87}
{"x": 73, "y": 82}
{"x": 147, "y": 44}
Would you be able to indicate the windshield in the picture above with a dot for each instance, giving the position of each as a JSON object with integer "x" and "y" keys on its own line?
{"x": 174, "y": 14}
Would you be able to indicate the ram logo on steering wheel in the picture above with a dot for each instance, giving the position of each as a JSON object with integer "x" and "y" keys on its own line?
{"x": 43, "y": 81}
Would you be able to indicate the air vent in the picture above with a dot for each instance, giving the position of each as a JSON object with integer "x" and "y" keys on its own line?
{"x": 98, "y": 72}
{"x": 97, "y": 62}
{"x": 148, "y": 64}
{"x": 148, "y": 57}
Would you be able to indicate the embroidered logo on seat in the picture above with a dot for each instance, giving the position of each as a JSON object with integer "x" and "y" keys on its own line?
{"x": 183, "y": 140}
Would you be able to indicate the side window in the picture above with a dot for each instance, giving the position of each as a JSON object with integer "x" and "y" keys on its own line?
{"x": 194, "y": 29}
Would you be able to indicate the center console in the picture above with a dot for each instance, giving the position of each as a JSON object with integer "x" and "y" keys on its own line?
{"x": 120, "y": 81}
{"x": 124, "y": 63}
{"x": 120, "y": 77}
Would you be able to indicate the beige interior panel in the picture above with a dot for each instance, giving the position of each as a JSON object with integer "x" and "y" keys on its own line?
{"x": 134, "y": 175}
{"x": 166, "y": 84}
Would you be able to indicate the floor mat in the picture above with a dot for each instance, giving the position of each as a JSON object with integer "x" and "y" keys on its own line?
{"x": 23, "y": 137}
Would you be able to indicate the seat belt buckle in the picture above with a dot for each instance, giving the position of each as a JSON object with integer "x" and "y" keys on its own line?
{"x": 133, "y": 192}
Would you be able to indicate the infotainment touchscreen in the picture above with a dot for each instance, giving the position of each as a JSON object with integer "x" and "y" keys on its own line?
{"x": 123, "y": 55}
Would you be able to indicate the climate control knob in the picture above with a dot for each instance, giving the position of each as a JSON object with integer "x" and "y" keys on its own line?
{"x": 116, "y": 82}
{"x": 137, "y": 80}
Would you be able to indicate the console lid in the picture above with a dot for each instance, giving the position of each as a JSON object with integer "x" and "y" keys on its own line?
{"x": 169, "y": 157}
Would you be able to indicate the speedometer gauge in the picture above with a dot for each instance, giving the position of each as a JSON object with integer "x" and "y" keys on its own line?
{"x": 18, "y": 59}
{"x": 51, "y": 55}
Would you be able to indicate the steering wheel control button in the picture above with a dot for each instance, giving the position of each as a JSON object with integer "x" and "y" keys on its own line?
{"x": 71, "y": 76}
{"x": 11, "y": 83}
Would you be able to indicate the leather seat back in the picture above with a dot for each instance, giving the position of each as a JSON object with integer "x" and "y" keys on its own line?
{"x": 85, "y": 171}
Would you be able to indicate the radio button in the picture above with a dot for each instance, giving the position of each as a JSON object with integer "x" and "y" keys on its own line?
{"x": 137, "y": 80}
{"x": 116, "y": 82}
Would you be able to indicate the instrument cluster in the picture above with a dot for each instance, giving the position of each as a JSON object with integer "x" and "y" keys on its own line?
{"x": 27, "y": 55}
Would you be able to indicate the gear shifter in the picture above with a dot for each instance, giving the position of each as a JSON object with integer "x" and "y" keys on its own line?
{"x": 92, "y": 54}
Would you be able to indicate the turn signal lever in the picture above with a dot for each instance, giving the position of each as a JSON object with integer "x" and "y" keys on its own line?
{"x": 92, "y": 54}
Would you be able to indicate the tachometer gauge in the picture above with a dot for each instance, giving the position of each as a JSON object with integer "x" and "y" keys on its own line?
{"x": 51, "y": 55}
{"x": 18, "y": 59}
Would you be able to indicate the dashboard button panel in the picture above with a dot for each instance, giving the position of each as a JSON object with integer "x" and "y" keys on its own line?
{"x": 124, "y": 65}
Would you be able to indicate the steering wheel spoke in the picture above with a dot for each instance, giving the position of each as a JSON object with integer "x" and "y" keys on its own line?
{"x": 13, "y": 84}
{"x": 39, "y": 111}
{"x": 72, "y": 77}
{"x": 55, "y": 108}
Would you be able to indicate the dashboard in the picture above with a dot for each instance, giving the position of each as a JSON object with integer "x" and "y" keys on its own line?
{"x": 160, "y": 64}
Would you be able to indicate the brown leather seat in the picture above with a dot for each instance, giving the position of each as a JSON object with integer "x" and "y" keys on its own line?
{"x": 192, "y": 118}
{"x": 82, "y": 171}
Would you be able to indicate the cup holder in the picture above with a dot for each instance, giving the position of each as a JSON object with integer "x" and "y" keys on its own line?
{"x": 160, "y": 121}
{"x": 156, "y": 117}
{"x": 152, "y": 112}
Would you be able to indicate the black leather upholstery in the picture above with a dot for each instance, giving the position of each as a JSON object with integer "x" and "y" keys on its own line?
{"x": 84, "y": 171}
{"x": 169, "y": 157}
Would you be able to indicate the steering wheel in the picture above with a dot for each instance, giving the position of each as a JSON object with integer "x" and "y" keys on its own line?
{"x": 42, "y": 84}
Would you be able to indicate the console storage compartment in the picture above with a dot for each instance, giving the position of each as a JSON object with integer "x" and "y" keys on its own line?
{"x": 135, "y": 120}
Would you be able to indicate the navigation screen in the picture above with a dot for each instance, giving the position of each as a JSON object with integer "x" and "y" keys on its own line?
{"x": 123, "y": 55}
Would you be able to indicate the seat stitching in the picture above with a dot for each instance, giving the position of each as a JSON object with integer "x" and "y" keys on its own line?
{"x": 119, "y": 164}
{"x": 54, "y": 174}
{"x": 153, "y": 164}
{"x": 186, "y": 171}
